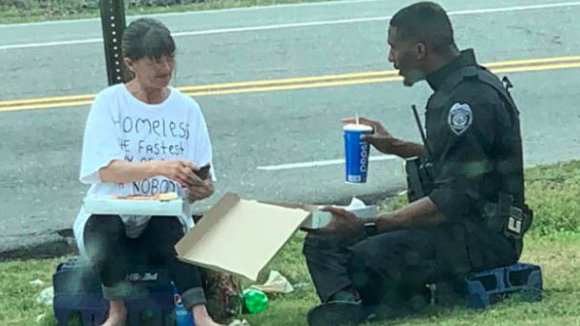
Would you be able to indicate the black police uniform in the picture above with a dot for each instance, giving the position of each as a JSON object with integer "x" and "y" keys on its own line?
{"x": 475, "y": 147}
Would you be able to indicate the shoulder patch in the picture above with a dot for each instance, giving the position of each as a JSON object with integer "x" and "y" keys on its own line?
{"x": 460, "y": 118}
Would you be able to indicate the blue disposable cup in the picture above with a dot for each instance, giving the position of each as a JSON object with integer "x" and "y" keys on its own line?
{"x": 356, "y": 152}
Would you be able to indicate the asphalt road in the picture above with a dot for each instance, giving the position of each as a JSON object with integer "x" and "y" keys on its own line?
{"x": 274, "y": 144}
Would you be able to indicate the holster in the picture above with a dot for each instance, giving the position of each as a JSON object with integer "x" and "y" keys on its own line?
{"x": 504, "y": 217}
{"x": 419, "y": 178}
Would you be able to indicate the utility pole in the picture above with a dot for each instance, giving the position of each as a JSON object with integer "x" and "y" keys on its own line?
{"x": 113, "y": 23}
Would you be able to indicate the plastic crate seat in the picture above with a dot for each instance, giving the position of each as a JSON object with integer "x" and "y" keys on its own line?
{"x": 78, "y": 294}
{"x": 487, "y": 287}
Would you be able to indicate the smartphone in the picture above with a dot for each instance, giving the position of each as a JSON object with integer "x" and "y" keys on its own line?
{"x": 203, "y": 172}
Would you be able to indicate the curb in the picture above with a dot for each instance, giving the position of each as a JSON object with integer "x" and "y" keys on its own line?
{"x": 46, "y": 245}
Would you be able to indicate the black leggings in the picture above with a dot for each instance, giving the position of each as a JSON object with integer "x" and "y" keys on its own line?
{"x": 112, "y": 253}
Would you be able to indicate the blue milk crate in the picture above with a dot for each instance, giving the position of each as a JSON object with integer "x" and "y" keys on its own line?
{"x": 77, "y": 291}
{"x": 491, "y": 286}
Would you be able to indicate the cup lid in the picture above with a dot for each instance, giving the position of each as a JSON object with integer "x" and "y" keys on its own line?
{"x": 355, "y": 127}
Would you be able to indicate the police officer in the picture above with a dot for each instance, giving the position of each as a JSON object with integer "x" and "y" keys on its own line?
{"x": 472, "y": 215}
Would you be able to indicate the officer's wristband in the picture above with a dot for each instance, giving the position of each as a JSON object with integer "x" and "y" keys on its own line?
{"x": 370, "y": 228}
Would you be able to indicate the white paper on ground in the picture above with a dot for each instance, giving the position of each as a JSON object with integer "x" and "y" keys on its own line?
{"x": 99, "y": 205}
{"x": 276, "y": 283}
{"x": 36, "y": 282}
{"x": 319, "y": 219}
{"x": 46, "y": 296}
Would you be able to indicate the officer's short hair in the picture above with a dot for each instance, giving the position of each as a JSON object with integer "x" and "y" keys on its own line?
{"x": 425, "y": 22}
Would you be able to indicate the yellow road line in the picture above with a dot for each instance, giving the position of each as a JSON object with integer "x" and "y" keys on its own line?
{"x": 44, "y": 106}
{"x": 363, "y": 74}
{"x": 363, "y": 81}
{"x": 366, "y": 77}
{"x": 537, "y": 68}
{"x": 291, "y": 80}
{"x": 296, "y": 86}
{"x": 532, "y": 61}
{"x": 48, "y": 99}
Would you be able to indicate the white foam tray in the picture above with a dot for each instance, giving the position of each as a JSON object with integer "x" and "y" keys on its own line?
{"x": 109, "y": 206}
{"x": 320, "y": 219}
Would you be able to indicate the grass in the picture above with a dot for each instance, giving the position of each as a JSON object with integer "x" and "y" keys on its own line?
{"x": 23, "y": 11}
{"x": 553, "y": 242}
{"x": 18, "y": 305}
{"x": 560, "y": 261}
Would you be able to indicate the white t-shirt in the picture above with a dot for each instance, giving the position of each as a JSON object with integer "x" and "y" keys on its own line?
{"x": 121, "y": 127}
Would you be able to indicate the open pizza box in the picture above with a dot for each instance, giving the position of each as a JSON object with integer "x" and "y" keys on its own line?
{"x": 242, "y": 236}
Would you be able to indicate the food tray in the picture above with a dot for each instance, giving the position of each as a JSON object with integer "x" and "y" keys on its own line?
{"x": 111, "y": 206}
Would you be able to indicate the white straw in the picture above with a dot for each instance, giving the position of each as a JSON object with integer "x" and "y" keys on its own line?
{"x": 356, "y": 118}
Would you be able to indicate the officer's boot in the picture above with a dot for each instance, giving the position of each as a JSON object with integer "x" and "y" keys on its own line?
{"x": 344, "y": 307}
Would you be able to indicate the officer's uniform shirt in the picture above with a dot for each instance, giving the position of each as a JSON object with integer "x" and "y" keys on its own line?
{"x": 468, "y": 125}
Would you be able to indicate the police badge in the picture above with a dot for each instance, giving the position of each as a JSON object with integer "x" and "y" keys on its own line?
{"x": 460, "y": 118}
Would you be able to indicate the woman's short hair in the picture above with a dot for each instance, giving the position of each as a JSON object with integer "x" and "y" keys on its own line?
{"x": 147, "y": 38}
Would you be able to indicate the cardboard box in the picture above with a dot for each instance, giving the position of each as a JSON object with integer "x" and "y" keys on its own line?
{"x": 241, "y": 236}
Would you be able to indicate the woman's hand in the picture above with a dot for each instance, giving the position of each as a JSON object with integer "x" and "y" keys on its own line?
{"x": 200, "y": 189}
{"x": 178, "y": 170}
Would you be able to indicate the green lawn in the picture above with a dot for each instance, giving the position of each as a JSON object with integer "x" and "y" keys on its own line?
{"x": 559, "y": 259}
{"x": 554, "y": 243}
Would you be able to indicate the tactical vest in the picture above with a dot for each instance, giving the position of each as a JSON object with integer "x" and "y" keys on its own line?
{"x": 508, "y": 214}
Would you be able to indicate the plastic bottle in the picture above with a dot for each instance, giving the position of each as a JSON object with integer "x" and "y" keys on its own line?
{"x": 255, "y": 300}
{"x": 183, "y": 317}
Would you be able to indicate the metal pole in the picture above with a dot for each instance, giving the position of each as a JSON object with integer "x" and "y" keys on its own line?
{"x": 113, "y": 23}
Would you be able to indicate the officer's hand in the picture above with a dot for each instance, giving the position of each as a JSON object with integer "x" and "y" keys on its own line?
{"x": 343, "y": 224}
{"x": 381, "y": 139}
